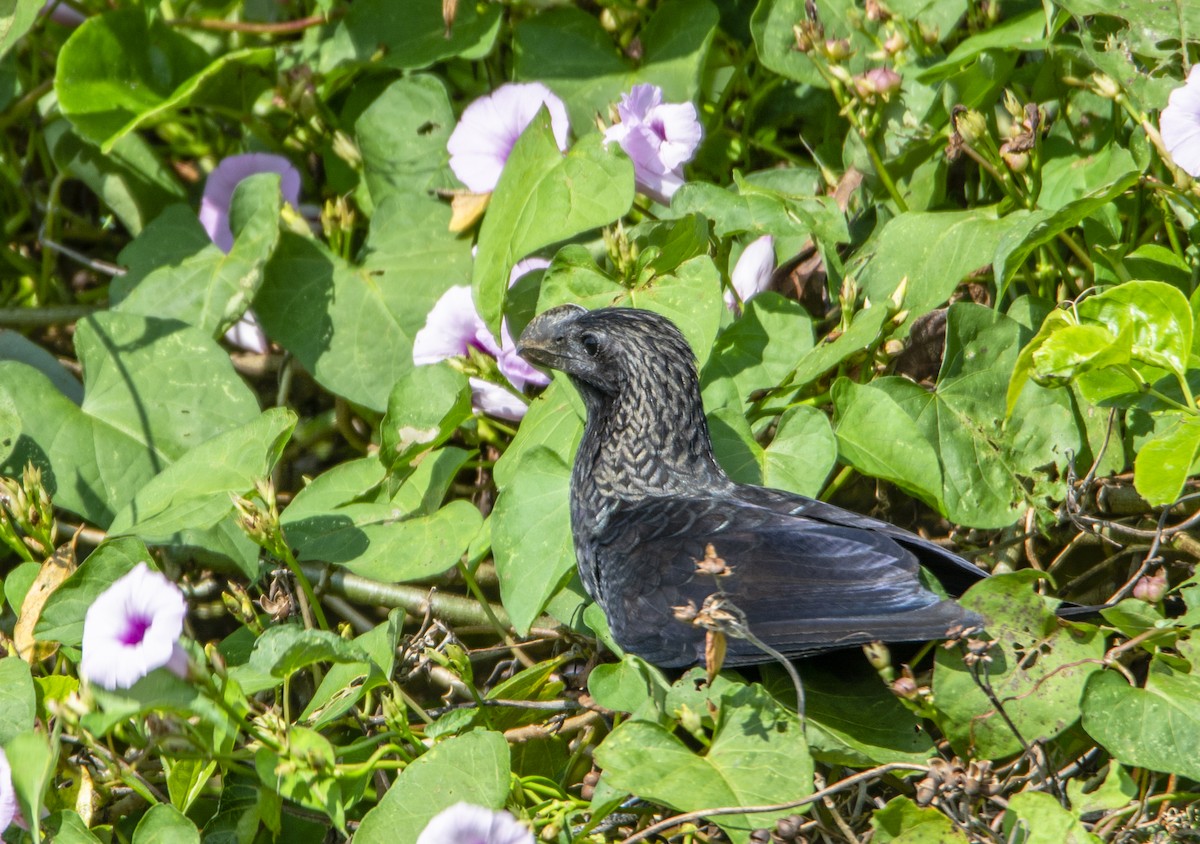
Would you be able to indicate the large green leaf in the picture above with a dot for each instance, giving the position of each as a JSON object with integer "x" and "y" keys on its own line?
{"x": 531, "y": 535}
{"x": 425, "y": 407}
{"x": 879, "y": 439}
{"x": 352, "y": 325}
{"x": 802, "y": 452}
{"x": 568, "y": 50}
{"x": 132, "y": 180}
{"x": 284, "y": 649}
{"x": 373, "y": 540}
{"x": 16, "y": 17}
{"x": 902, "y": 821}
{"x": 931, "y": 253}
{"x": 119, "y": 71}
{"x": 1045, "y": 820}
{"x": 854, "y": 719}
{"x": 154, "y": 389}
{"x": 1038, "y": 228}
{"x": 194, "y": 492}
{"x": 18, "y": 703}
{"x": 690, "y": 296}
{"x": 758, "y": 349}
{"x": 542, "y": 198}
{"x": 415, "y": 35}
{"x": 1166, "y": 461}
{"x": 175, "y": 271}
{"x": 758, "y": 756}
{"x": 402, "y": 136}
{"x": 471, "y": 768}
{"x": 164, "y": 823}
{"x": 1156, "y": 727}
{"x": 1037, "y": 669}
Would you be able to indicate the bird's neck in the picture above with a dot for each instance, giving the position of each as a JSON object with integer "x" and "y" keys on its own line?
{"x": 643, "y": 442}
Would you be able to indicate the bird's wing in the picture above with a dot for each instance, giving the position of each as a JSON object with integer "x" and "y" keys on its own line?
{"x": 952, "y": 571}
{"x": 804, "y": 585}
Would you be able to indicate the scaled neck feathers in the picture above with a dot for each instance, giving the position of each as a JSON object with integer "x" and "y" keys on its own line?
{"x": 650, "y": 437}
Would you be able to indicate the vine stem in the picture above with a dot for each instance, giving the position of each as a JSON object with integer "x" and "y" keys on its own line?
{"x": 841, "y": 785}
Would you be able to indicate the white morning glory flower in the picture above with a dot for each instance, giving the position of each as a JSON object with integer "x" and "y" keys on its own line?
{"x": 464, "y": 823}
{"x": 132, "y": 628}
{"x": 1179, "y": 125}
{"x": 752, "y": 273}
{"x": 8, "y": 796}
{"x": 489, "y": 127}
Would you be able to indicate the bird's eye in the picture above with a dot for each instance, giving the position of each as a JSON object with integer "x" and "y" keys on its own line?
{"x": 591, "y": 345}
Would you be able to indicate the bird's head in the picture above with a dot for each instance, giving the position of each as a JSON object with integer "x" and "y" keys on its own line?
{"x": 609, "y": 349}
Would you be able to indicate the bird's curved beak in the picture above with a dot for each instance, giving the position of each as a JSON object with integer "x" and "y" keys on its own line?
{"x": 542, "y": 339}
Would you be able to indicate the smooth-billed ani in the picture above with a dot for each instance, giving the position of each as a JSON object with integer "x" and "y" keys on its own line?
{"x": 648, "y": 499}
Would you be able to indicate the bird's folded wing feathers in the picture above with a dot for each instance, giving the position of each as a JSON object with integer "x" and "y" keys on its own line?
{"x": 955, "y": 573}
{"x": 808, "y": 585}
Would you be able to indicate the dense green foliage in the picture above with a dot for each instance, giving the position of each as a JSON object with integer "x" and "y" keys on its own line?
{"x": 982, "y": 327}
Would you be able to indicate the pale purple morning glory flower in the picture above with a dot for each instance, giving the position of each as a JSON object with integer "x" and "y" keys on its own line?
{"x": 464, "y": 823}
{"x": 659, "y": 137}
{"x": 224, "y": 179}
{"x": 752, "y": 273}
{"x": 454, "y": 327}
{"x": 214, "y": 216}
{"x": 1180, "y": 125}
{"x": 8, "y": 796}
{"x": 63, "y": 14}
{"x": 132, "y": 628}
{"x": 490, "y": 126}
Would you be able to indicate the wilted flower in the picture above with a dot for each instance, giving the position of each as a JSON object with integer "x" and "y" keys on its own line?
{"x": 659, "y": 137}
{"x": 464, "y": 823}
{"x": 214, "y": 216}
{"x": 1180, "y": 125}
{"x": 454, "y": 327}
{"x": 8, "y": 797}
{"x": 132, "y": 628}
{"x": 752, "y": 273}
{"x": 490, "y": 126}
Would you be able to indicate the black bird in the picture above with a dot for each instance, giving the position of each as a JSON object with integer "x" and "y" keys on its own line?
{"x": 649, "y": 501}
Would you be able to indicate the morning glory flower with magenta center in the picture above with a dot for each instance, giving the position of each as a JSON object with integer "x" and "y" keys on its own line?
{"x": 659, "y": 138}
{"x": 214, "y": 216}
{"x": 752, "y": 273}
{"x": 8, "y": 796}
{"x": 489, "y": 127}
{"x": 464, "y": 823}
{"x": 132, "y": 628}
{"x": 1179, "y": 125}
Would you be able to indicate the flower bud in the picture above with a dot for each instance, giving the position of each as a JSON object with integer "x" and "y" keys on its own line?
{"x": 878, "y": 655}
{"x": 344, "y": 148}
{"x": 895, "y": 43}
{"x": 837, "y": 49}
{"x": 1018, "y": 162}
{"x": 1105, "y": 86}
{"x": 1151, "y": 587}
{"x": 971, "y": 125}
{"x": 690, "y": 720}
{"x": 878, "y": 81}
{"x": 876, "y": 11}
